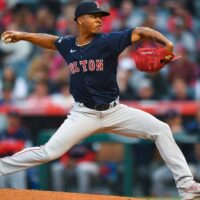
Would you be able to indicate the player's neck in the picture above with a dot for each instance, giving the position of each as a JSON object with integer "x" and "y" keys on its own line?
{"x": 83, "y": 39}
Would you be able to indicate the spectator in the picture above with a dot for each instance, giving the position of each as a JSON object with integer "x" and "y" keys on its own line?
{"x": 7, "y": 95}
{"x": 21, "y": 19}
{"x": 179, "y": 13}
{"x": 174, "y": 119}
{"x": 193, "y": 125}
{"x": 150, "y": 18}
{"x": 65, "y": 23}
{"x": 180, "y": 91}
{"x": 159, "y": 84}
{"x": 56, "y": 66}
{"x": 183, "y": 68}
{"x": 62, "y": 76}
{"x": 125, "y": 70}
{"x": 17, "y": 83}
{"x": 39, "y": 68}
{"x": 53, "y": 6}
{"x": 39, "y": 96}
{"x": 63, "y": 98}
{"x": 13, "y": 139}
{"x": 163, "y": 184}
{"x": 114, "y": 22}
{"x": 2, "y": 57}
{"x": 145, "y": 90}
{"x": 79, "y": 163}
{"x": 182, "y": 37}
{"x": 197, "y": 89}
{"x": 125, "y": 11}
{"x": 137, "y": 17}
{"x": 45, "y": 20}
{"x": 197, "y": 159}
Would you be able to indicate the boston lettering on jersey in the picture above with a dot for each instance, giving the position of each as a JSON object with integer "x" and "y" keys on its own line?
{"x": 86, "y": 65}
{"x": 93, "y": 67}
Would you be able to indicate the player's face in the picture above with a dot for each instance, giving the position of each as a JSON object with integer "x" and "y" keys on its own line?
{"x": 91, "y": 23}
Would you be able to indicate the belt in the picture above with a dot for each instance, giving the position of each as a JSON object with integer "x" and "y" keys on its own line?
{"x": 101, "y": 107}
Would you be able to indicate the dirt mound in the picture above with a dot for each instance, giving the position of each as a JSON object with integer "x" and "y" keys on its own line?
{"x": 9, "y": 194}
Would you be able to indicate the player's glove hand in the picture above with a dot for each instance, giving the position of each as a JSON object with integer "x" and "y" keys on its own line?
{"x": 153, "y": 59}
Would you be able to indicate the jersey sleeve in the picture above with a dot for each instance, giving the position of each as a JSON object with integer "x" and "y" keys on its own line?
{"x": 62, "y": 44}
{"x": 118, "y": 41}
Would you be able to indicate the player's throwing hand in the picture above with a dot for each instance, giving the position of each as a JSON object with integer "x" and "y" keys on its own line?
{"x": 11, "y": 36}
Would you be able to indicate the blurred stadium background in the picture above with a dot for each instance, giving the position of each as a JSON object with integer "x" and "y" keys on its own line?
{"x": 35, "y": 99}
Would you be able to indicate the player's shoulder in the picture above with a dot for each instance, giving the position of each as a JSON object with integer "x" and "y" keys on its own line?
{"x": 65, "y": 38}
{"x": 118, "y": 32}
{"x": 107, "y": 35}
{"x": 64, "y": 41}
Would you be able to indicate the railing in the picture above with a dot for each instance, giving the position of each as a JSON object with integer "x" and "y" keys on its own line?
{"x": 153, "y": 107}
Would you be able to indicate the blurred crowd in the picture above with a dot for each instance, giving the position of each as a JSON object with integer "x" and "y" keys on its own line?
{"x": 30, "y": 75}
{"x": 34, "y": 74}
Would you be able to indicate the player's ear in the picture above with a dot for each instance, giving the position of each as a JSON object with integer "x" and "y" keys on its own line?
{"x": 79, "y": 20}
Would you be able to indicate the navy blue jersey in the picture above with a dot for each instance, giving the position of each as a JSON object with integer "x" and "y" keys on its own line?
{"x": 93, "y": 67}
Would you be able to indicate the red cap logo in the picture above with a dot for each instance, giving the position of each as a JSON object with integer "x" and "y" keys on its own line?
{"x": 98, "y": 6}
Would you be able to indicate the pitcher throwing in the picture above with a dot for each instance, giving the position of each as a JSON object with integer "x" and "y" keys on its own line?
{"x": 92, "y": 59}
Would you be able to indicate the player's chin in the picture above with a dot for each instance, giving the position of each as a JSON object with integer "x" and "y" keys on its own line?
{"x": 97, "y": 30}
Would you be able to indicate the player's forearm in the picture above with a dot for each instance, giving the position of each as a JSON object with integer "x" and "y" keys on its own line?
{"x": 42, "y": 40}
{"x": 39, "y": 39}
{"x": 147, "y": 33}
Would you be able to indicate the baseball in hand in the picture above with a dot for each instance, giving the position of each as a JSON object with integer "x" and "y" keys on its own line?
{"x": 6, "y": 40}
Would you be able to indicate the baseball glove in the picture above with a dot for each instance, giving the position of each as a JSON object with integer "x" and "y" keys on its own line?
{"x": 152, "y": 59}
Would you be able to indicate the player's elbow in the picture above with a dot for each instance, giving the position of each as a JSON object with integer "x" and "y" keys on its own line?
{"x": 140, "y": 33}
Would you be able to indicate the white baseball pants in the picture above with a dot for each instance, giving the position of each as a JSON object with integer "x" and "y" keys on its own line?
{"x": 122, "y": 120}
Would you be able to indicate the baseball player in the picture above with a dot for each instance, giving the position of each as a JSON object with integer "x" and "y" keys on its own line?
{"x": 92, "y": 58}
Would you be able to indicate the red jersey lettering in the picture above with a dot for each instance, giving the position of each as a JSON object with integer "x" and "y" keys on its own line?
{"x": 99, "y": 65}
{"x": 83, "y": 64}
{"x": 73, "y": 68}
{"x": 91, "y": 65}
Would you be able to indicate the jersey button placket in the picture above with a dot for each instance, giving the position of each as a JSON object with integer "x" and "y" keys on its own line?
{"x": 81, "y": 53}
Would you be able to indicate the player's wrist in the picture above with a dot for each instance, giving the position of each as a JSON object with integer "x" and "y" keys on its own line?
{"x": 170, "y": 46}
{"x": 23, "y": 36}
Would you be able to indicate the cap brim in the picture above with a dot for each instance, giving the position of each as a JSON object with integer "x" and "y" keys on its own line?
{"x": 102, "y": 12}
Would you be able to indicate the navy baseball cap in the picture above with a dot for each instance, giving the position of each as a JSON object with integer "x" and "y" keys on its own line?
{"x": 84, "y": 8}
